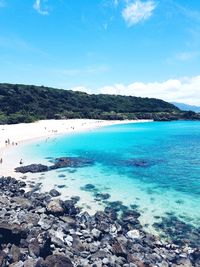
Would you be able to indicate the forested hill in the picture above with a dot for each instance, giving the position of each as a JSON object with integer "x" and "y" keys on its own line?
{"x": 26, "y": 103}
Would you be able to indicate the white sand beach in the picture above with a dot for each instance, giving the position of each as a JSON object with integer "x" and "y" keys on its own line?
{"x": 11, "y": 135}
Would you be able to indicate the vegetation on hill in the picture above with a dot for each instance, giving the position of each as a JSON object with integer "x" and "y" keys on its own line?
{"x": 27, "y": 103}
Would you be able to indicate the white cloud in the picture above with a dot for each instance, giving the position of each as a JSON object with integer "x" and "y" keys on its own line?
{"x": 38, "y": 7}
{"x": 186, "y": 90}
{"x": 82, "y": 89}
{"x": 138, "y": 11}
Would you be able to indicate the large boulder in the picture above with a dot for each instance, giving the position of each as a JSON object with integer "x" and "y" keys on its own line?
{"x": 56, "y": 261}
{"x": 55, "y": 207}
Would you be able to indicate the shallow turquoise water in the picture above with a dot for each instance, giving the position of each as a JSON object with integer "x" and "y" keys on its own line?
{"x": 154, "y": 165}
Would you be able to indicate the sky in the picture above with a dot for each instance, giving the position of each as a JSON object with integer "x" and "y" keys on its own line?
{"x": 148, "y": 48}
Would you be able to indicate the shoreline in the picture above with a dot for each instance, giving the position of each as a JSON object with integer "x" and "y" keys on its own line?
{"x": 20, "y": 133}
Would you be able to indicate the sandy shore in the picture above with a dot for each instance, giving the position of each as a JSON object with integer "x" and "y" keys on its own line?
{"x": 11, "y": 135}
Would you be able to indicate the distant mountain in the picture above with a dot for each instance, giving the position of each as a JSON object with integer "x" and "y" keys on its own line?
{"x": 186, "y": 107}
{"x": 27, "y": 103}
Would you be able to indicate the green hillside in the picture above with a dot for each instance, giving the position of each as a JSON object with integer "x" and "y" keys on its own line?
{"x": 26, "y": 103}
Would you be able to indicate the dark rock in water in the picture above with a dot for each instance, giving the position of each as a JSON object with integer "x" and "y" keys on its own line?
{"x": 33, "y": 168}
{"x": 56, "y": 260}
{"x": 143, "y": 163}
{"x": 179, "y": 232}
{"x": 61, "y": 175}
{"x": 138, "y": 163}
{"x": 54, "y": 193}
{"x": 73, "y": 162}
{"x": 102, "y": 196}
{"x": 64, "y": 162}
{"x": 88, "y": 187}
{"x": 75, "y": 199}
{"x": 61, "y": 186}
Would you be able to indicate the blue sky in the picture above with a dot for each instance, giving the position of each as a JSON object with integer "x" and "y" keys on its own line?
{"x": 131, "y": 47}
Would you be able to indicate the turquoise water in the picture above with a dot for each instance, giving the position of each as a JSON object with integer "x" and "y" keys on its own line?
{"x": 155, "y": 166}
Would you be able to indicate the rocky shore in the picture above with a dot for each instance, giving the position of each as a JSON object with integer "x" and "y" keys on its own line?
{"x": 41, "y": 230}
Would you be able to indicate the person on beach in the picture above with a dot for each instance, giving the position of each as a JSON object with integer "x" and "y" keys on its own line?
{"x": 21, "y": 162}
{"x": 1, "y": 161}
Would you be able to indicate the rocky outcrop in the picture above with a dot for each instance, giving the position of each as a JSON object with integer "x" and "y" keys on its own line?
{"x": 64, "y": 162}
{"x": 74, "y": 162}
{"x": 33, "y": 168}
{"x": 38, "y": 230}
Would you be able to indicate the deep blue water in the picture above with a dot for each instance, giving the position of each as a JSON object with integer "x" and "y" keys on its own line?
{"x": 155, "y": 165}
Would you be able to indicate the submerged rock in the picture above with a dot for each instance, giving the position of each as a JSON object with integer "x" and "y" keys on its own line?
{"x": 54, "y": 193}
{"x": 64, "y": 162}
{"x": 74, "y": 162}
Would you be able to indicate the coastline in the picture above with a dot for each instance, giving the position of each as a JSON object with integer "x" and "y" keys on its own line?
{"x": 14, "y": 135}
{"x": 19, "y": 133}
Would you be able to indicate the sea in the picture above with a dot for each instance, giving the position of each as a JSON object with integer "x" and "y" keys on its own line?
{"x": 154, "y": 167}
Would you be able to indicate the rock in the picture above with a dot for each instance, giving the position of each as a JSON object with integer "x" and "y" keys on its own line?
{"x": 184, "y": 263}
{"x": 69, "y": 238}
{"x": 119, "y": 250}
{"x": 34, "y": 248}
{"x": 93, "y": 248}
{"x": 96, "y": 233}
{"x": 17, "y": 264}
{"x": 30, "y": 263}
{"x": 105, "y": 261}
{"x": 55, "y": 207}
{"x": 88, "y": 187}
{"x": 22, "y": 202}
{"x": 28, "y": 217}
{"x": 11, "y": 231}
{"x": 3, "y": 256}
{"x": 102, "y": 196}
{"x": 54, "y": 193}
{"x": 57, "y": 261}
{"x": 69, "y": 208}
{"x": 15, "y": 252}
{"x": 45, "y": 223}
{"x": 57, "y": 237}
{"x": 72, "y": 162}
{"x": 33, "y": 168}
{"x": 77, "y": 245}
{"x": 133, "y": 234}
{"x": 69, "y": 220}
